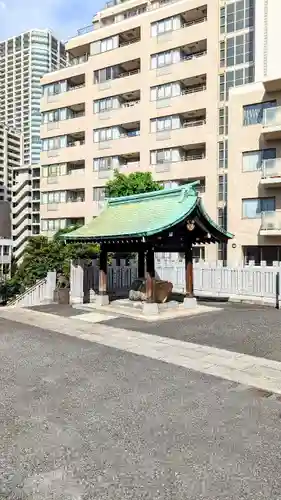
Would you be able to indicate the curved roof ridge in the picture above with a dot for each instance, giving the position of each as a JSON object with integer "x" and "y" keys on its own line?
{"x": 184, "y": 188}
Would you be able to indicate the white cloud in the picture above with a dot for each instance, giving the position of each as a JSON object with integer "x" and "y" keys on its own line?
{"x": 64, "y": 17}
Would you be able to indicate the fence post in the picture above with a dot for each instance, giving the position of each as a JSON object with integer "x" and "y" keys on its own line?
{"x": 277, "y": 289}
{"x": 50, "y": 288}
{"x": 76, "y": 283}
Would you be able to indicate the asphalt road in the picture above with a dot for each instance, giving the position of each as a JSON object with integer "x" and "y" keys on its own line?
{"x": 79, "y": 421}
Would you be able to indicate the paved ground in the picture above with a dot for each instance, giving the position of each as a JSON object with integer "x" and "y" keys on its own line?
{"x": 247, "y": 329}
{"x": 81, "y": 421}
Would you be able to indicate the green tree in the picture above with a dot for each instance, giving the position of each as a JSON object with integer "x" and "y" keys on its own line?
{"x": 42, "y": 255}
{"x": 134, "y": 183}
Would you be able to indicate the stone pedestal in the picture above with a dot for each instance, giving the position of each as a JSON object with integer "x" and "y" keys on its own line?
{"x": 102, "y": 300}
{"x": 189, "y": 302}
{"x": 93, "y": 296}
{"x": 77, "y": 283}
{"x": 150, "y": 309}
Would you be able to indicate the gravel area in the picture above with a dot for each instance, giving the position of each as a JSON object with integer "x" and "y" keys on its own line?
{"x": 80, "y": 421}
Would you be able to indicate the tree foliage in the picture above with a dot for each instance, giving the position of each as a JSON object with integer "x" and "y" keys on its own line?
{"x": 134, "y": 183}
{"x": 42, "y": 255}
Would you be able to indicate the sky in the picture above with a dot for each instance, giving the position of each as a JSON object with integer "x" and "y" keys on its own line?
{"x": 64, "y": 17}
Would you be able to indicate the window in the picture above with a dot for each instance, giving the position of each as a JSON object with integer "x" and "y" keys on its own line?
{"x": 165, "y": 91}
{"x": 54, "y": 143}
{"x": 53, "y": 224}
{"x": 103, "y": 105}
{"x": 252, "y": 160}
{"x": 253, "y": 114}
{"x": 6, "y": 250}
{"x": 222, "y": 217}
{"x": 106, "y": 134}
{"x": 234, "y": 78}
{"x": 164, "y": 123}
{"x": 165, "y": 58}
{"x": 105, "y": 163}
{"x": 223, "y": 121}
{"x": 252, "y": 208}
{"x": 109, "y": 44}
{"x": 98, "y": 194}
{"x": 222, "y": 191}
{"x": 237, "y": 50}
{"x": 54, "y": 170}
{"x": 198, "y": 253}
{"x": 223, "y": 154}
{"x": 236, "y": 16}
{"x": 50, "y": 197}
{"x": 165, "y": 25}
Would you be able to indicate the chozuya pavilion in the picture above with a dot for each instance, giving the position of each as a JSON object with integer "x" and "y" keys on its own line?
{"x": 170, "y": 220}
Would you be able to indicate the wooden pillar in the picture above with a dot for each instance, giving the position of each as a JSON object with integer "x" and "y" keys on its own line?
{"x": 141, "y": 264}
{"x": 188, "y": 272}
{"x": 103, "y": 272}
{"x": 150, "y": 275}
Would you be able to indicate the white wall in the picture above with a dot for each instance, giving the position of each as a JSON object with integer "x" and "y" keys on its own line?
{"x": 267, "y": 38}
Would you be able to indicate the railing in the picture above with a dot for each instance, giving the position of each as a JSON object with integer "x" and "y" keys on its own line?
{"x": 75, "y": 143}
{"x": 78, "y": 60}
{"x": 194, "y": 123}
{"x": 188, "y": 57}
{"x": 271, "y": 221}
{"x": 271, "y": 168}
{"x": 128, "y": 73}
{"x": 40, "y": 293}
{"x": 76, "y": 87}
{"x": 272, "y": 117}
{"x": 198, "y": 156}
{"x": 129, "y": 42}
{"x": 85, "y": 30}
{"x": 193, "y": 90}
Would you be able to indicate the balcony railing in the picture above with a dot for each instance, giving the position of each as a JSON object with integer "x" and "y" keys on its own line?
{"x": 75, "y": 143}
{"x": 271, "y": 221}
{"x": 194, "y": 123}
{"x": 272, "y": 117}
{"x": 193, "y": 90}
{"x": 165, "y": 165}
{"x": 271, "y": 168}
{"x": 85, "y": 30}
{"x": 188, "y": 57}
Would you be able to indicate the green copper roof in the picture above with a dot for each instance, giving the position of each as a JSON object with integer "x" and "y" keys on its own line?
{"x": 142, "y": 215}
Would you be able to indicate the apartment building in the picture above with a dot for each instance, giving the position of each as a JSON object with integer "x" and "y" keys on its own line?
{"x": 25, "y": 206}
{"x": 254, "y": 170}
{"x": 11, "y": 146}
{"x": 145, "y": 90}
{"x": 24, "y": 59}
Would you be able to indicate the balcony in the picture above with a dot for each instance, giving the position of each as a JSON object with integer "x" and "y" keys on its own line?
{"x": 105, "y": 109}
{"x": 271, "y": 223}
{"x": 190, "y": 94}
{"x": 272, "y": 123}
{"x": 182, "y": 162}
{"x": 173, "y": 128}
{"x": 126, "y": 135}
{"x": 271, "y": 173}
{"x": 170, "y": 63}
{"x": 74, "y": 177}
{"x": 73, "y": 120}
{"x": 192, "y": 25}
{"x": 74, "y": 150}
{"x": 105, "y": 77}
{"x": 125, "y": 163}
{"x": 71, "y": 93}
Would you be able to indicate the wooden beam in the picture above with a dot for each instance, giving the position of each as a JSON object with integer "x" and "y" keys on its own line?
{"x": 141, "y": 264}
{"x": 188, "y": 272}
{"x": 103, "y": 272}
{"x": 150, "y": 275}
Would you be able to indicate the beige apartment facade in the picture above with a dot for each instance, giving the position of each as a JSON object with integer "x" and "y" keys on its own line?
{"x": 142, "y": 95}
{"x": 254, "y": 173}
